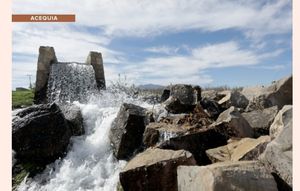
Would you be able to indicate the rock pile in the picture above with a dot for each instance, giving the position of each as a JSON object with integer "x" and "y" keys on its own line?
{"x": 247, "y": 135}
{"x": 40, "y": 135}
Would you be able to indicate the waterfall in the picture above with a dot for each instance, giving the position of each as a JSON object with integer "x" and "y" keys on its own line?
{"x": 70, "y": 82}
{"x": 89, "y": 164}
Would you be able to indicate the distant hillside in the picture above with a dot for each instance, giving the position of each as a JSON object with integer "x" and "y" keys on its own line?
{"x": 150, "y": 86}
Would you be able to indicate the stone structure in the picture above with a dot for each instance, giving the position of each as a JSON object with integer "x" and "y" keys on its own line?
{"x": 47, "y": 57}
{"x": 95, "y": 59}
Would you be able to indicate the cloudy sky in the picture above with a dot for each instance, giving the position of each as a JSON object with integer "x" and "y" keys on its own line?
{"x": 204, "y": 42}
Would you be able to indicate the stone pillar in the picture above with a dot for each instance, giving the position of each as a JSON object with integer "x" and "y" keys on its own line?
{"x": 95, "y": 59}
{"x": 46, "y": 58}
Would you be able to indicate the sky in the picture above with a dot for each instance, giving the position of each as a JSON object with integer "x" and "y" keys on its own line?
{"x": 200, "y": 42}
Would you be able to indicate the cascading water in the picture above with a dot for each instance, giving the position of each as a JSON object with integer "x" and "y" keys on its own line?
{"x": 89, "y": 164}
{"x": 70, "y": 82}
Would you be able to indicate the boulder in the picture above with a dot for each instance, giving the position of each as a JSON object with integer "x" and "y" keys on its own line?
{"x": 232, "y": 124}
{"x": 282, "y": 120}
{"x": 165, "y": 95}
{"x": 210, "y": 94}
{"x": 211, "y": 107}
{"x": 261, "y": 120}
{"x": 160, "y": 132}
{"x": 40, "y": 133}
{"x": 154, "y": 169}
{"x": 233, "y": 98}
{"x": 126, "y": 134}
{"x": 279, "y": 93}
{"x": 278, "y": 155}
{"x": 74, "y": 118}
{"x": 244, "y": 149}
{"x": 196, "y": 143}
{"x": 183, "y": 98}
{"x": 242, "y": 176}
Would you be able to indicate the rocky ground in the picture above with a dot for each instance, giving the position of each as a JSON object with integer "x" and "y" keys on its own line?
{"x": 205, "y": 140}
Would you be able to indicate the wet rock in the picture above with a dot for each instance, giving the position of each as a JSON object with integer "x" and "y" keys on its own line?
{"x": 160, "y": 132}
{"x": 127, "y": 130}
{"x": 279, "y": 93}
{"x": 183, "y": 98}
{"x": 196, "y": 143}
{"x": 242, "y": 176}
{"x": 261, "y": 120}
{"x": 232, "y": 124}
{"x": 40, "y": 133}
{"x": 233, "y": 98}
{"x": 244, "y": 149}
{"x": 154, "y": 169}
{"x": 74, "y": 118}
{"x": 282, "y": 120}
{"x": 278, "y": 155}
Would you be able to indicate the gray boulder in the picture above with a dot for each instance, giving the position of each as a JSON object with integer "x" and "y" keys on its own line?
{"x": 74, "y": 118}
{"x": 196, "y": 143}
{"x": 183, "y": 98}
{"x": 126, "y": 134}
{"x": 282, "y": 120}
{"x": 261, "y": 120}
{"x": 40, "y": 133}
{"x": 156, "y": 133}
{"x": 154, "y": 169}
{"x": 243, "y": 149}
{"x": 278, "y": 156}
{"x": 233, "y": 98}
{"x": 232, "y": 124}
{"x": 279, "y": 93}
{"x": 238, "y": 176}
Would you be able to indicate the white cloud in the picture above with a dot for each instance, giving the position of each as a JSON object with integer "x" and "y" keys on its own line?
{"x": 163, "y": 50}
{"x": 191, "y": 68}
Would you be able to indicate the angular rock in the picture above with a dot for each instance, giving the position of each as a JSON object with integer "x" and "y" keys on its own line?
{"x": 154, "y": 169}
{"x": 282, "y": 120}
{"x": 165, "y": 95}
{"x": 278, "y": 155}
{"x": 160, "y": 132}
{"x": 279, "y": 93}
{"x": 211, "y": 107}
{"x": 126, "y": 134}
{"x": 40, "y": 133}
{"x": 183, "y": 98}
{"x": 74, "y": 118}
{"x": 242, "y": 176}
{"x": 261, "y": 120}
{"x": 244, "y": 149}
{"x": 233, "y": 98}
{"x": 210, "y": 94}
{"x": 196, "y": 143}
{"x": 232, "y": 124}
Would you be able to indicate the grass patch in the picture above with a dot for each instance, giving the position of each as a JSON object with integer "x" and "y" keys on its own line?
{"x": 22, "y": 98}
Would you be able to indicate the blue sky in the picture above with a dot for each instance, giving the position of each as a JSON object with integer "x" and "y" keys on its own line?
{"x": 203, "y": 42}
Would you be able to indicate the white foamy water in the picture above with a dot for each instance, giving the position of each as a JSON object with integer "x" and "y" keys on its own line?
{"x": 89, "y": 164}
{"x": 70, "y": 82}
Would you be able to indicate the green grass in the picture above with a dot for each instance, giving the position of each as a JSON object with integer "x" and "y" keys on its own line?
{"x": 22, "y": 98}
